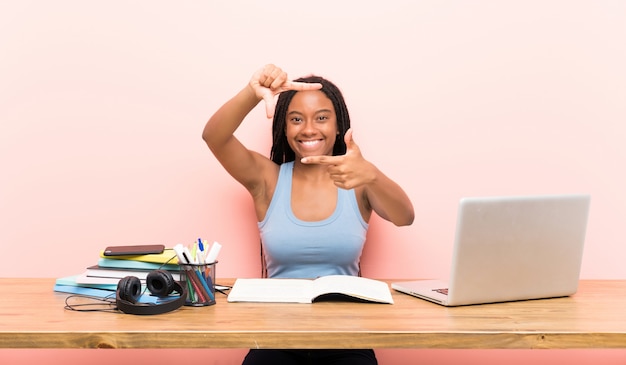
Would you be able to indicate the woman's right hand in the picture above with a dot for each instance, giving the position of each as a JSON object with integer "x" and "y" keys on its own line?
{"x": 270, "y": 81}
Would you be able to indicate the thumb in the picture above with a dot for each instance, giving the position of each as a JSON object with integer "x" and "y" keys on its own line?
{"x": 348, "y": 138}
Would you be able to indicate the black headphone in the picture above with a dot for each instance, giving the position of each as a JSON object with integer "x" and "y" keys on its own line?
{"x": 159, "y": 283}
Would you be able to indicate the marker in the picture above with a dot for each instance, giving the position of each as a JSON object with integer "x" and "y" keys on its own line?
{"x": 180, "y": 254}
{"x": 212, "y": 255}
{"x": 188, "y": 256}
{"x": 194, "y": 253}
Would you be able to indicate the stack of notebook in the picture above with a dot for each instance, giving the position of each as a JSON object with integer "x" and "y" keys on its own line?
{"x": 101, "y": 280}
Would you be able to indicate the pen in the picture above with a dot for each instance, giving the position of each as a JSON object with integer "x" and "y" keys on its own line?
{"x": 210, "y": 283}
{"x": 204, "y": 284}
{"x": 200, "y": 253}
{"x": 192, "y": 293}
{"x": 191, "y": 277}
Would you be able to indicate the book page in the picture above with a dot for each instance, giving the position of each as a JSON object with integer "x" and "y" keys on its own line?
{"x": 271, "y": 291}
{"x": 355, "y": 286}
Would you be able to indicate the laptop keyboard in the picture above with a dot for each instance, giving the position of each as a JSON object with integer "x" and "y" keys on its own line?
{"x": 441, "y": 291}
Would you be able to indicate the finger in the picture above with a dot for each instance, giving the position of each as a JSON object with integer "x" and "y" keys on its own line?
{"x": 320, "y": 160}
{"x": 268, "y": 75}
{"x": 265, "y": 80}
{"x": 279, "y": 80}
{"x": 301, "y": 86}
{"x": 348, "y": 138}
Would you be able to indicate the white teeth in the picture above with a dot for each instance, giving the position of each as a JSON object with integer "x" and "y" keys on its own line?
{"x": 310, "y": 143}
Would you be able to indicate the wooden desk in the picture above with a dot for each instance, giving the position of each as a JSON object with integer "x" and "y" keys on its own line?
{"x": 32, "y": 316}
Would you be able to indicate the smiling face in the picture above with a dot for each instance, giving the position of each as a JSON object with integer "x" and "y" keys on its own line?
{"x": 311, "y": 127}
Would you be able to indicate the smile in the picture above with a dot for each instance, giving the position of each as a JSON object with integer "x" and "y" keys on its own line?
{"x": 310, "y": 144}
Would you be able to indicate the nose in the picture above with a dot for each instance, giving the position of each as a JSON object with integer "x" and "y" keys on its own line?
{"x": 309, "y": 127}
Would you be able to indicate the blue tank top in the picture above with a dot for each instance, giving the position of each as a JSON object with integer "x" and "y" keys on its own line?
{"x": 295, "y": 248}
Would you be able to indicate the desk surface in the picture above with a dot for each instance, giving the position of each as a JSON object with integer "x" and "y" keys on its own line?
{"x": 32, "y": 316}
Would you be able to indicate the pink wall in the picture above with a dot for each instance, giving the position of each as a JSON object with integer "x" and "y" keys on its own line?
{"x": 102, "y": 106}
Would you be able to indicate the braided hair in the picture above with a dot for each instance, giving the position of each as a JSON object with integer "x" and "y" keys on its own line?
{"x": 281, "y": 151}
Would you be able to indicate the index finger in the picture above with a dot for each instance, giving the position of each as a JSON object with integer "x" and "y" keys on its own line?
{"x": 320, "y": 160}
{"x": 302, "y": 86}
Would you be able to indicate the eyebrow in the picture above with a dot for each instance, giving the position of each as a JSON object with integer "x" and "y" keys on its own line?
{"x": 317, "y": 112}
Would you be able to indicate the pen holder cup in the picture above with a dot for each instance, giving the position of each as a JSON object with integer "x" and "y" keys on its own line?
{"x": 199, "y": 279}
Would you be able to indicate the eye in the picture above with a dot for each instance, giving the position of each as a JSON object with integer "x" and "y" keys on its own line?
{"x": 296, "y": 120}
{"x": 322, "y": 118}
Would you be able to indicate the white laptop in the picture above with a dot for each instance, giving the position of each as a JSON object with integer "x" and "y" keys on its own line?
{"x": 511, "y": 248}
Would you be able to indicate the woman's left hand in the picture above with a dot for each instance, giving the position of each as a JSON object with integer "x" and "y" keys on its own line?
{"x": 347, "y": 171}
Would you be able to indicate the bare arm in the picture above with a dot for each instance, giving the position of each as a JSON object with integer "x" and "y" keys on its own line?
{"x": 388, "y": 200}
{"x": 380, "y": 193}
{"x": 229, "y": 151}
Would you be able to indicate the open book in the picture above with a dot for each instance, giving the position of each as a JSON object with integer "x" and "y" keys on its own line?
{"x": 309, "y": 291}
